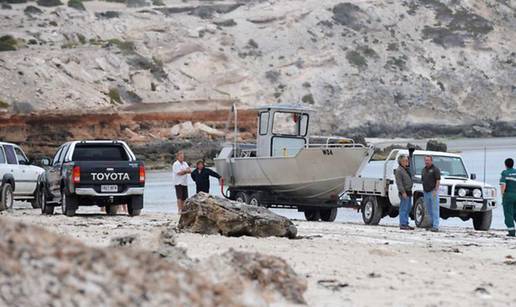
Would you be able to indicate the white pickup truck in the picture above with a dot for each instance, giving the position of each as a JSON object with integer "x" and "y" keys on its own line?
{"x": 460, "y": 195}
{"x": 19, "y": 178}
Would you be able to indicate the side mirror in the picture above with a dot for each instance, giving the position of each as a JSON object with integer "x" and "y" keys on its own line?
{"x": 45, "y": 161}
{"x": 24, "y": 162}
{"x": 473, "y": 176}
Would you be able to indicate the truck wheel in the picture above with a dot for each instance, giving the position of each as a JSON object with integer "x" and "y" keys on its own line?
{"x": 36, "y": 202}
{"x": 68, "y": 204}
{"x": 112, "y": 210}
{"x": 242, "y": 197}
{"x": 482, "y": 220}
{"x": 6, "y": 197}
{"x": 135, "y": 205}
{"x": 328, "y": 215}
{"x": 256, "y": 200}
{"x": 134, "y": 212}
{"x": 372, "y": 212}
{"x": 421, "y": 215}
{"x": 46, "y": 209}
{"x": 312, "y": 215}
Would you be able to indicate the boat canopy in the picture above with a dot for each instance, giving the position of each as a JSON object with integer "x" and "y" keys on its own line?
{"x": 282, "y": 129}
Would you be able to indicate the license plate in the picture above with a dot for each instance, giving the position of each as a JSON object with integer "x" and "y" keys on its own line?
{"x": 109, "y": 188}
{"x": 468, "y": 205}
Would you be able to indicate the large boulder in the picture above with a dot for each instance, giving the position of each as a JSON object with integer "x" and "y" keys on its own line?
{"x": 52, "y": 270}
{"x": 216, "y": 215}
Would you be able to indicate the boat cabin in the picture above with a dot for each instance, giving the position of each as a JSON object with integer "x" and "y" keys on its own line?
{"x": 282, "y": 130}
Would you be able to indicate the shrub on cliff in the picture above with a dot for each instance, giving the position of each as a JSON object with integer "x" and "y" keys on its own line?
{"x": 49, "y": 3}
{"x": 3, "y": 104}
{"x": 114, "y": 96}
{"x": 76, "y": 4}
{"x": 356, "y": 59}
{"x": 8, "y": 43}
{"x": 127, "y": 47}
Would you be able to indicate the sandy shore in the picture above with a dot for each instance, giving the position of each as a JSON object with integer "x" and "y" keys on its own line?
{"x": 345, "y": 264}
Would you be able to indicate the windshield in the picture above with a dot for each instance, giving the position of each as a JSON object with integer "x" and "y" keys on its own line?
{"x": 449, "y": 166}
{"x": 290, "y": 123}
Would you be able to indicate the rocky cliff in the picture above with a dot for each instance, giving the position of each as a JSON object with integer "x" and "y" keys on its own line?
{"x": 373, "y": 67}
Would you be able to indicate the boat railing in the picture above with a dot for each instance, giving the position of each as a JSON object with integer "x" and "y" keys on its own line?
{"x": 330, "y": 142}
{"x": 246, "y": 150}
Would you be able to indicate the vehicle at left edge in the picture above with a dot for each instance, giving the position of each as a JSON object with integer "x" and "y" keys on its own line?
{"x": 18, "y": 177}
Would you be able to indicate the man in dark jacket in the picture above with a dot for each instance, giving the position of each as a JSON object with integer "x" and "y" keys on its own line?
{"x": 201, "y": 176}
{"x": 404, "y": 184}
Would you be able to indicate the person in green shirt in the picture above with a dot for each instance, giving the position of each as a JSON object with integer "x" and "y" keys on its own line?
{"x": 508, "y": 189}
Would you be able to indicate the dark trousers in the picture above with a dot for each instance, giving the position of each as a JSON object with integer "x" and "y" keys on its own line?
{"x": 509, "y": 211}
{"x": 202, "y": 189}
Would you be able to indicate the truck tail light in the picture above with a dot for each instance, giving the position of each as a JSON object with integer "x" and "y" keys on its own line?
{"x": 142, "y": 174}
{"x": 76, "y": 174}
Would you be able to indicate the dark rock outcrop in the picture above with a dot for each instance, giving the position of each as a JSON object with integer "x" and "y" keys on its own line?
{"x": 51, "y": 270}
{"x": 32, "y": 10}
{"x": 77, "y": 4}
{"x": 107, "y": 15}
{"x": 49, "y": 3}
{"x": 215, "y": 215}
{"x": 434, "y": 145}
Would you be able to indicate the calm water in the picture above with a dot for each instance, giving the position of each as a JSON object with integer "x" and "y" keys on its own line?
{"x": 160, "y": 197}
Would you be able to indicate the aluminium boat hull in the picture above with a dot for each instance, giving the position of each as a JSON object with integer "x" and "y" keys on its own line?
{"x": 314, "y": 175}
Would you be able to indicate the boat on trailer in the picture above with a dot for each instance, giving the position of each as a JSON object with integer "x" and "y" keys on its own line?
{"x": 288, "y": 167}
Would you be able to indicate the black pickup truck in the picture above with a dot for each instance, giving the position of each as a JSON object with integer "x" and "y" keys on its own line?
{"x": 89, "y": 173}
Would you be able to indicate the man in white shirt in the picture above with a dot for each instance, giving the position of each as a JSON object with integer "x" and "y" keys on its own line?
{"x": 180, "y": 171}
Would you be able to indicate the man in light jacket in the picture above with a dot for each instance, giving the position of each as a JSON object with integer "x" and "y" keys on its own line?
{"x": 180, "y": 171}
{"x": 404, "y": 184}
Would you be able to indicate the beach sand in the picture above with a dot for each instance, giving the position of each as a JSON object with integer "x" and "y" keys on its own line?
{"x": 345, "y": 264}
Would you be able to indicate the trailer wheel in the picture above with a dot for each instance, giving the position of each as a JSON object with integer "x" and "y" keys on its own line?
{"x": 421, "y": 215}
{"x": 372, "y": 212}
{"x": 328, "y": 215}
{"x": 312, "y": 215}
{"x": 256, "y": 200}
{"x": 482, "y": 220}
{"x": 242, "y": 197}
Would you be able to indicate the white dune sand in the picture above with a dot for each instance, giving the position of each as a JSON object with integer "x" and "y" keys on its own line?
{"x": 344, "y": 264}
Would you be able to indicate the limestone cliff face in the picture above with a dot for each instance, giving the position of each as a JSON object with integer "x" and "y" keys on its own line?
{"x": 373, "y": 67}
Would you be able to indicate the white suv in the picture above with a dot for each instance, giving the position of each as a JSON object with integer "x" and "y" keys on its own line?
{"x": 19, "y": 178}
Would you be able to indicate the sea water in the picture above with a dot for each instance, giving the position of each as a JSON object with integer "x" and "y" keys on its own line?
{"x": 160, "y": 195}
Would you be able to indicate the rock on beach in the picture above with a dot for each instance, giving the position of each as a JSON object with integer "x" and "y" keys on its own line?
{"x": 215, "y": 215}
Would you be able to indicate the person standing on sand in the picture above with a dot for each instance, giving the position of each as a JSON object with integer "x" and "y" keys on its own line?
{"x": 431, "y": 177}
{"x": 201, "y": 176}
{"x": 404, "y": 184}
{"x": 180, "y": 171}
{"x": 508, "y": 190}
